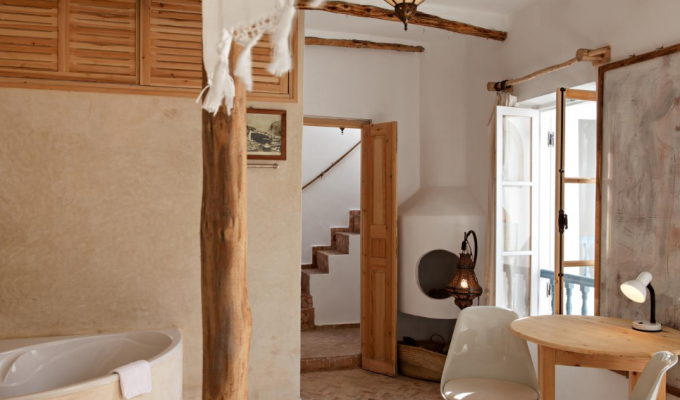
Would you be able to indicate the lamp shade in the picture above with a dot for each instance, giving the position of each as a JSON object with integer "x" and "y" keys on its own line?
{"x": 636, "y": 290}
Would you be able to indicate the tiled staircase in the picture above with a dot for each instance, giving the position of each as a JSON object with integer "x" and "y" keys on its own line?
{"x": 320, "y": 256}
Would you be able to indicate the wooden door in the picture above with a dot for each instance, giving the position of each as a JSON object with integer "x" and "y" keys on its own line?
{"x": 379, "y": 248}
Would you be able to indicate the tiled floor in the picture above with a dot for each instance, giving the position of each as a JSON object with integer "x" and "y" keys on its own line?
{"x": 357, "y": 384}
{"x": 331, "y": 342}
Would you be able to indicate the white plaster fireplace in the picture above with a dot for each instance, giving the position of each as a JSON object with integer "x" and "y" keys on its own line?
{"x": 435, "y": 219}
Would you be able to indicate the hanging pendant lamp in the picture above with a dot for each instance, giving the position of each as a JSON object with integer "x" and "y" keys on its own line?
{"x": 405, "y": 9}
{"x": 464, "y": 287}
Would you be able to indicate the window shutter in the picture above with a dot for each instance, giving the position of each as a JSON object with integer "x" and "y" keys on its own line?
{"x": 29, "y": 35}
{"x": 173, "y": 52}
{"x": 102, "y": 39}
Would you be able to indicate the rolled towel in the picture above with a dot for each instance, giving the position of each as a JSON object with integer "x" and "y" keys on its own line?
{"x": 135, "y": 378}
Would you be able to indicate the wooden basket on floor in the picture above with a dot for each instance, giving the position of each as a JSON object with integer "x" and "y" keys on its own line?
{"x": 423, "y": 362}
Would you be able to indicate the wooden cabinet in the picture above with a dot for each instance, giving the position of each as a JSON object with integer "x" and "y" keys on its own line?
{"x": 136, "y": 46}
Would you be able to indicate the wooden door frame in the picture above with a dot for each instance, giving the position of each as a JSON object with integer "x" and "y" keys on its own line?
{"x": 562, "y": 95}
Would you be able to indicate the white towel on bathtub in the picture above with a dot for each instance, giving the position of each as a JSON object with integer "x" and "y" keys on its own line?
{"x": 135, "y": 378}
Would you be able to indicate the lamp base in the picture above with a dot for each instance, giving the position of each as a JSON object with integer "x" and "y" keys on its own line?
{"x": 646, "y": 326}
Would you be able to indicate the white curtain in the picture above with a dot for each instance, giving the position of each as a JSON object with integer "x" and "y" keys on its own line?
{"x": 243, "y": 22}
{"x": 506, "y": 100}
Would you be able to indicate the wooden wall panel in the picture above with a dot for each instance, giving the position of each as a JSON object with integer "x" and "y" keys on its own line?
{"x": 29, "y": 35}
{"x": 102, "y": 39}
{"x": 174, "y": 44}
{"x": 152, "y": 44}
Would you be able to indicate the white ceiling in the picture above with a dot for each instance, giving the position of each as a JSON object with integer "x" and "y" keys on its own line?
{"x": 485, "y": 13}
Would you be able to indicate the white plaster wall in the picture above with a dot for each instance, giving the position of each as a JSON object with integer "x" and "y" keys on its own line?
{"x": 454, "y": 111}
{"x": 373, "y": 84}
{"x": 337, "y": 295}
{"x": 549, "y": 32}
{"x": 326, "y": 203}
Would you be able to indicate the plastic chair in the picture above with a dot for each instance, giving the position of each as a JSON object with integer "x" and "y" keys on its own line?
{"x": 647, "y": 387}
{"x": 486, "y": 360}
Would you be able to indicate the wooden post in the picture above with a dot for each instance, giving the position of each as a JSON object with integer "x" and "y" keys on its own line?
{"x": 227, "y": 322}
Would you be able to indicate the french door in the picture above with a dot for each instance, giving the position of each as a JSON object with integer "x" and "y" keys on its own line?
{"x": 576, "y": 277}
{"x": 517, "y": 209}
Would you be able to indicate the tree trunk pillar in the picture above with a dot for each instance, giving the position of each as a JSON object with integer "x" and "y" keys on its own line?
{"x": 227, "y": 321}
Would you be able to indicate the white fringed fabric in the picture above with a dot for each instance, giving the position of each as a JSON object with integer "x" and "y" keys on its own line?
{"x": 243, "y": 22}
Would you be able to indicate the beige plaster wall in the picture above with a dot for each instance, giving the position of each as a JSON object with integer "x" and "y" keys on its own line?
{"x": 100, "y": 199}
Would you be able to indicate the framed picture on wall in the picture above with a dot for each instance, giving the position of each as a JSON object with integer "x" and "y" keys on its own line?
{"x": 266, "y": 134}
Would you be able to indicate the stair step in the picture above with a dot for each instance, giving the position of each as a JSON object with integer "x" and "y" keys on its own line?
{"x": 307, "y": 319}
{"x": 304, "y": 283}
{"x": 342, "y": 241}
{"x": 323, "y": 256}
{"x": 330, "y": 363}
{"x": 306, "y": 301}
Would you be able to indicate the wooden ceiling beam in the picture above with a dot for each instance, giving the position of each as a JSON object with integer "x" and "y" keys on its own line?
{"x": 420, "y": 19}
{"x": 362, "y": 44}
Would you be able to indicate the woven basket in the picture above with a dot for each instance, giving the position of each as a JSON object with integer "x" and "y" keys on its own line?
{"x": 421, "y": 362}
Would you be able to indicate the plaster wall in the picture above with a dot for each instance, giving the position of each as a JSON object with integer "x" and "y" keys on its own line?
{"x": 99, "y": 227}
{"x": 378, "y": 85}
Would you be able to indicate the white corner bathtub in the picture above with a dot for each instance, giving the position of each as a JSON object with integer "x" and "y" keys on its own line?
{"x": 78, "y": 367}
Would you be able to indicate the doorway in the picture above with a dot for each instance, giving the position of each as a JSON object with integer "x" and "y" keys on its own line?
{"x": 349, "y": 245}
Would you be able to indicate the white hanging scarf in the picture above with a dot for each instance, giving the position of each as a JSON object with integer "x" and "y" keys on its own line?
{"x": 243, "y": 22}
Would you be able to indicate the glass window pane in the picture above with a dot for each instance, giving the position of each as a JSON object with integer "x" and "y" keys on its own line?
{"x": 516, "y": 218}
{"x": 516, "y": 149}
{"x": 514, "y": 279}
{"x": 579, "y": 205}
{"x": 579, "y": 291}
{"x": 580, "y": 146}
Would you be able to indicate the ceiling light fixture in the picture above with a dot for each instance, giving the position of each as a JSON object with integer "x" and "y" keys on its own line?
{"x": 405, "y": 9}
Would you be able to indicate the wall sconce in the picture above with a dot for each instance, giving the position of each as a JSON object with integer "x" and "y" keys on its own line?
{"x": 464, "y": 287}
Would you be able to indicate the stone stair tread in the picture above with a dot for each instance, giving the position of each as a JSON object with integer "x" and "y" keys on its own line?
{"x": 332, "y": 253}
{"x": 313, "y": 271}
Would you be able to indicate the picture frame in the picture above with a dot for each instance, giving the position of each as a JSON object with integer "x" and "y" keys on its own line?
{"x": 266, "y": 131}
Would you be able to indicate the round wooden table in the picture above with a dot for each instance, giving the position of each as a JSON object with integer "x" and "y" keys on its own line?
{"x": 594, "y": 342}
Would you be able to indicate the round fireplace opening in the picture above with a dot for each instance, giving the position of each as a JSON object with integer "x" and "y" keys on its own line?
{"x": 435, "y": 270}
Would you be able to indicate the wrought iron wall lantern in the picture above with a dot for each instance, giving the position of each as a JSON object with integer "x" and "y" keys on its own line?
{"x": 464, "y": 287}
{"x": 405, "y": 9}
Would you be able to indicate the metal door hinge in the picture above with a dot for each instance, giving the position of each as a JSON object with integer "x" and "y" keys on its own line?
{"x": 551, "y": 139}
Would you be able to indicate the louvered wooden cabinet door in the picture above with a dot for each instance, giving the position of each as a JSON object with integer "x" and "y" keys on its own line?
{"x": 171, "y": 43}
{"x": 29, "y": 35}
{"x": 102, "y": 39}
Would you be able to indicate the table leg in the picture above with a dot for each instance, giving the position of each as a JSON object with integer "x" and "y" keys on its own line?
{"x": 546, "y": 372}
{"x": 632, "y": 379}
{"x": 662, "y": 389}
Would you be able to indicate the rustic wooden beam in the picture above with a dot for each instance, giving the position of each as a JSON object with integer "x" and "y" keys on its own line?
{"x": 421, "y": 19}
{"x": 362, "y": 44}
{"x": 596, "y": 56}
{"x": 227, "y": 321}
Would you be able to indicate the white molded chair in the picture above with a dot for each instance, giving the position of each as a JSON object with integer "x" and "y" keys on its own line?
{"x": 486, "y": 361}
{"x": 647, "y": 387}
